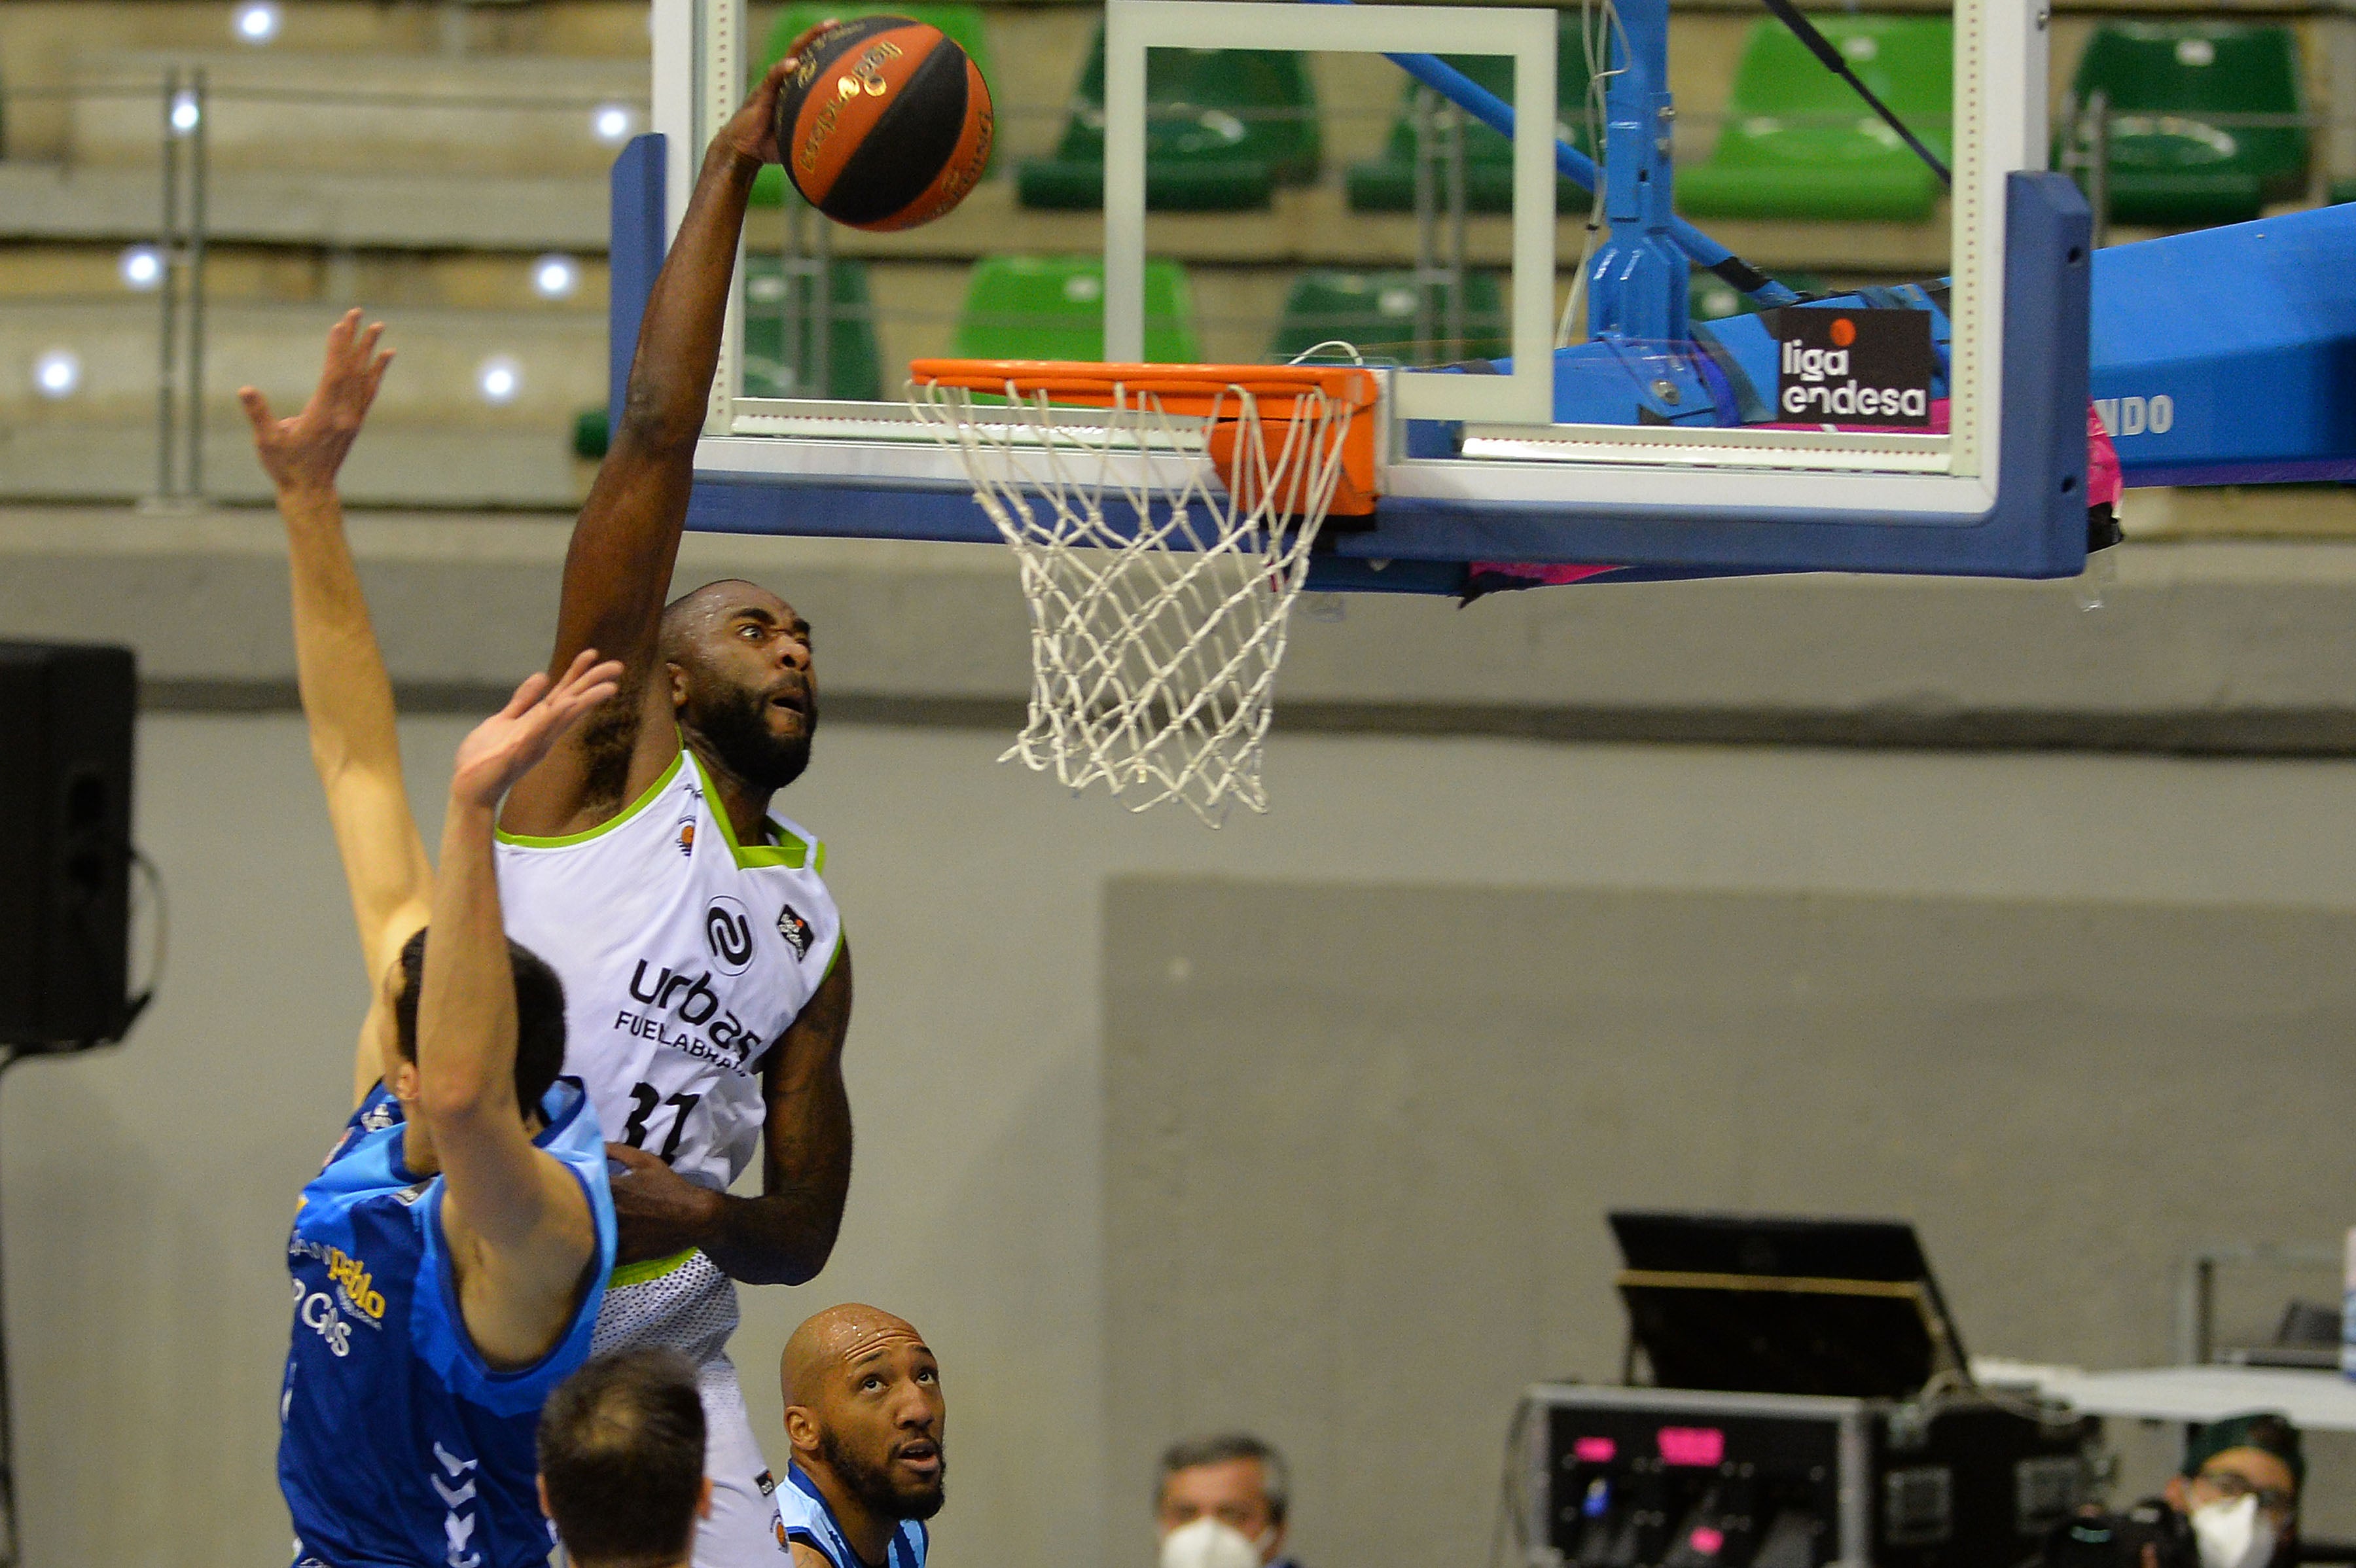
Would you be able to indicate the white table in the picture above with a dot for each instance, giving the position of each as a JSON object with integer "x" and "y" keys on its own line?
{"x": 2314, "y": 1401}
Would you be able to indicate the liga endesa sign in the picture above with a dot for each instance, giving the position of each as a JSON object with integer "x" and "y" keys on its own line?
{"x": 1854, "y": 367}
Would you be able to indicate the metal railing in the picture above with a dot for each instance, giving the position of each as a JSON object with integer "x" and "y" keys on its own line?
{"x": 180, "y": 338}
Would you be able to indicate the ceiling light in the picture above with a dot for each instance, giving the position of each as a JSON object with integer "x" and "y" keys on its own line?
{"x": 555, "y": 277}
{"x": 185, "y": 112}
{"x": 500, "y": 379}
{"x": 257, "y": 21}
{"x": 142, "y": 267}
{"x": 613, "y": 122}
{"x": 57, "y": 373}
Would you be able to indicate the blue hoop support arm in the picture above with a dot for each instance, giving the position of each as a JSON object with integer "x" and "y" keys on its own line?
{"x": 1580, "y": 170}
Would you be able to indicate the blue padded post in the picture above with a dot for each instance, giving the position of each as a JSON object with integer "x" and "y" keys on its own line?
{"x": 1579, "y": 169}
{"x": 635, "y": 237}
{"x": 1636, "y": 286}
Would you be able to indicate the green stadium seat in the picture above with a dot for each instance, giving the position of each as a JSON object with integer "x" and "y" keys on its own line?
{"x": 2177, "y": 157}
{"x": 1714, "y": 299}
{"x": 1375, "y": 313}
{"x": 1223, "y": 128}
{"x": 1386, "y": 184}
{"x": 1800, "y": 144}
{"x": 590, "y": 434}
{"x": 1052, "y": 308}
{"x": 854, "y": 363}
{"x": 961, "y": 25}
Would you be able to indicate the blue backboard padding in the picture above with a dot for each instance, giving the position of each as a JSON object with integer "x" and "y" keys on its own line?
{"x": 635, "y": 231}
{"x": 2037, "y": 528}
{"x": 2249, "y": 333}
{"x": 830, "y": 509}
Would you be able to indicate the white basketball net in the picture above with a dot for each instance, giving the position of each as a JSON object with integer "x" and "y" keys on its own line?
{"x": 1155, "y": 630}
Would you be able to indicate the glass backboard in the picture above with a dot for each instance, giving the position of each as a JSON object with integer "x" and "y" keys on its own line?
{"x": 1569, "y": 378}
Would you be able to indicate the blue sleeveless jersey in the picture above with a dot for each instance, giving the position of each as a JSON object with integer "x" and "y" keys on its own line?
{"x": 803, "y": 1514}
{"x": 398, "y": 1447}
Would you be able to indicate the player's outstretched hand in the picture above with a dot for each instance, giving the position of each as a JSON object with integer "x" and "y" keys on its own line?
{"x": 305, "y": 452}
{"x": 754, "y": 132}
{"x": 504, "y": 747}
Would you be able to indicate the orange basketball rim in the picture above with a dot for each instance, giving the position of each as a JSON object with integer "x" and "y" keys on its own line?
{"x": 1226, "y": 397}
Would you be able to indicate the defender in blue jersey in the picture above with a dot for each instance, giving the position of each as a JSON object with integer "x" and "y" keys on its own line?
{"x": 449, "y": 1262}
{"x": 865, "y": 1418}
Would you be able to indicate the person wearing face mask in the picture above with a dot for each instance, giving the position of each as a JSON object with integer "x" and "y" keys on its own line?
{"x": 1222, "y": 1502}
{"x": 2238, "y": 1490}
{"x": 2233, "y": 1505}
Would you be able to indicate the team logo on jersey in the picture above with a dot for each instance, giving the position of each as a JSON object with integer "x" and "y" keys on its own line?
{"x": 683, "y": 835}
{"x": 767, "y": 1482}
{"x": 353, "y": 1297}
{"x": 728, "y": 932}
{"x": 796, "y": 930}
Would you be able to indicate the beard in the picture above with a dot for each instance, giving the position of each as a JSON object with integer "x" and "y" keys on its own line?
{"x": 735, "y": 725}
{"x": 873, "y": 1486}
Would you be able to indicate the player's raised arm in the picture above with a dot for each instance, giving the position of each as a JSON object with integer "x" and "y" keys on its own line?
{"x": 618, "y": 567}
{"x": 519, "y": 1228}
{"x": 347, "y": 696}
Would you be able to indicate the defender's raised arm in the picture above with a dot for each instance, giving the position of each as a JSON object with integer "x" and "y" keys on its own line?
{"x": 518, "y": 1222}
{"x": 347, "y": 696}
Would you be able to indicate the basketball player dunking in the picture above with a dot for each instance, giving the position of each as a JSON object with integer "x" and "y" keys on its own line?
{"x": 708, "y": 985}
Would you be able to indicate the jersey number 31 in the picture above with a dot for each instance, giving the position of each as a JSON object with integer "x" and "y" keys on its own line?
{"x": 650, "y": 1100}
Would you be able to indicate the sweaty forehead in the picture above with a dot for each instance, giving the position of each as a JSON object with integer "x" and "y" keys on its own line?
{"x": 715, "y": 603}
{"x": 852, "y": 1344}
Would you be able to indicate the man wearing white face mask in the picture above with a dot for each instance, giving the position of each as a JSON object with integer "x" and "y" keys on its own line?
{"x": 2235, "y": 1505}
{"x": 1222, "y": 1502}
{"x": 2238, "y": 1490}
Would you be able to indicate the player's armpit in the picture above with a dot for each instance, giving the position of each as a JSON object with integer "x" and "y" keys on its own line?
{"x": 519, "y": 1296}
{"x": 807, "y": 1557}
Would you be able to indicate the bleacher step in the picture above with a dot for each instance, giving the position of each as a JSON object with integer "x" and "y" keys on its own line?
{"x": 45, "y": 201}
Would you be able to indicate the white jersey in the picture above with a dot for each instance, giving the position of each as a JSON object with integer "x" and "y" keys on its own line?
{"x": 685, "y": 957}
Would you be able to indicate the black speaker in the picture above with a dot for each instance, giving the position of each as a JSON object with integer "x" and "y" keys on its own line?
{"x": 65, "y": 713}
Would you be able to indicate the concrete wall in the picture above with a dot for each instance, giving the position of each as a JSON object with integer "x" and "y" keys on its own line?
{"x": 147, "y": 1188}
{"x": 1360, "y": 1139}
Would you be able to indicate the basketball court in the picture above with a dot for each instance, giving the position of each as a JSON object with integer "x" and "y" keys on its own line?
{"x": 1670, "y": 787}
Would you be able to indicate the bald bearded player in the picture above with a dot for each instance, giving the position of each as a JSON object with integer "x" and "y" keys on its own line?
{"x": 864, "y": 1417}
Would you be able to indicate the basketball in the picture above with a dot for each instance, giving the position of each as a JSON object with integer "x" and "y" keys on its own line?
{"x": 886, "y": 126}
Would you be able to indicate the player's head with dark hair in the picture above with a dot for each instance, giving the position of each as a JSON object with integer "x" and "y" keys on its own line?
{"x": 621, "y": 1460}
{"x": 1228, "y": 1481}
{"x": 738, "y": 658}
{"x": 539, "y": 1018}
{"x": 865, "y": 1412}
